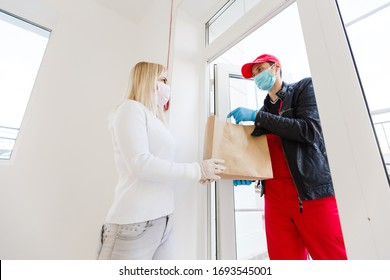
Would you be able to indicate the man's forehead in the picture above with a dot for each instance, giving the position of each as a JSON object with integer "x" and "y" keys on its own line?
{"x": 259, "y": 64}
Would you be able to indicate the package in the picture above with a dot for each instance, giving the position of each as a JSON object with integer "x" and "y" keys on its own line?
{"x": 246, "y": 157}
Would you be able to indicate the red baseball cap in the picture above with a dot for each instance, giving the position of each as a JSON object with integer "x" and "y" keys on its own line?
{"x": 246, "y": 69}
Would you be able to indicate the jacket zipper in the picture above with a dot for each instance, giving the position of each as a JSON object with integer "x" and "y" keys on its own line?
{"x": 300, "y": 205}
{"x": 285, "y": 111}
{"x": 280, "y": 112}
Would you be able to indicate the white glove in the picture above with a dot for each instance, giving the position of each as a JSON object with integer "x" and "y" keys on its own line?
{"x": 210, "y": 168}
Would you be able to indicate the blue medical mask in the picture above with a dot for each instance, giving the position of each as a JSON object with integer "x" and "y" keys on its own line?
{"x": 265, "y": 80}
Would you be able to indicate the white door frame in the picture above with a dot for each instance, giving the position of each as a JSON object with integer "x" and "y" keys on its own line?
{"x": 225, "y": 222}
{"x": 358, "y": 172}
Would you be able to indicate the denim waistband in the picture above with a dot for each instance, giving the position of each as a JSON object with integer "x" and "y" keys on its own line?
{"x": 111, "y": 225}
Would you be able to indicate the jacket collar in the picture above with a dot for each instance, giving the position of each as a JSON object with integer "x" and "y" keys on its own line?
{"x": 283, "y": 91}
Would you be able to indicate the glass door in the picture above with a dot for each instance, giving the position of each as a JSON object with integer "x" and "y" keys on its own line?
{"x": 247, "y": 225}
{"x": 366, "y": 23}
{"x": 240, "y": 212}
{"x": 347, "y": 50}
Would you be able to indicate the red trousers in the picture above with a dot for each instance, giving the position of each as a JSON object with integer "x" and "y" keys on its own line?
{"x": 293, "y": 232}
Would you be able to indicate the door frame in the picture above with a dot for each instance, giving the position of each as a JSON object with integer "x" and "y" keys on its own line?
{"x": 224, "y": 192}
{"x": 359, "y": 176}
{"x": 362, "y": 189}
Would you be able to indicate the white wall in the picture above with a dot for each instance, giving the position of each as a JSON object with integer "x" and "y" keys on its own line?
{"x": 55, "y": 192}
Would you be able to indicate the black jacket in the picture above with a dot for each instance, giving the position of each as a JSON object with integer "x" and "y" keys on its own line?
{"x": 298, "y": 125}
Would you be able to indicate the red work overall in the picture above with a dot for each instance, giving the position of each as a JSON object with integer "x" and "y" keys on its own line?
{"x": 294, "y": 232}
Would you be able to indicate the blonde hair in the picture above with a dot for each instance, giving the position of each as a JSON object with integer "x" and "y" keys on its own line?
{"x": 143, "y": 85}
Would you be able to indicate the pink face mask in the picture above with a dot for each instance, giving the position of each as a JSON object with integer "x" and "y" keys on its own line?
{"x": 163, "y": 94}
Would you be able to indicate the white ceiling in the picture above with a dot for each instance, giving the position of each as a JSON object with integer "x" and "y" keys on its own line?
{"x": 134, "y": 10}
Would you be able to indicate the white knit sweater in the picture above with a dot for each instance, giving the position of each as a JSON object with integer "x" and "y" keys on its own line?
{"x": 144, "y": 156}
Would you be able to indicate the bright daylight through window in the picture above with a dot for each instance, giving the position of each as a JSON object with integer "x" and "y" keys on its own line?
{"x": 366, "y": 24}
{"x": 21, "y": 51}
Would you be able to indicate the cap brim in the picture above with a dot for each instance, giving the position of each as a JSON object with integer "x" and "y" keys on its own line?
{"x": 246, "y": 70}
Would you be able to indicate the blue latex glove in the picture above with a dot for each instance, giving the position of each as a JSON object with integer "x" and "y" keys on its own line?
{"x": 242, "y": 114}
{"x": 242, "y": 182}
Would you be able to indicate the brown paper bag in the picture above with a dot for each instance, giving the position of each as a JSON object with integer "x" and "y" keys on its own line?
{"x": 246, "y": 157}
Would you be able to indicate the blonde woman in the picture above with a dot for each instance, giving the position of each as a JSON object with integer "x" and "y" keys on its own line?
{"x": 139, "y": 222}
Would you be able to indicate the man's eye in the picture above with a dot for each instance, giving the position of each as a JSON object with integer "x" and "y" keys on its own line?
{"x": 257, "y": 71}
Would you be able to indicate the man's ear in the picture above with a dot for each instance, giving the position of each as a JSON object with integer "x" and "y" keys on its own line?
{"x": 278, "y": 68}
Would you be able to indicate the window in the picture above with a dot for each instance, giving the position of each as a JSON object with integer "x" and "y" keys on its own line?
{"x": 21, "y": 51}
{"x": 231, "y": 12}
{"x": 365, "y": 23}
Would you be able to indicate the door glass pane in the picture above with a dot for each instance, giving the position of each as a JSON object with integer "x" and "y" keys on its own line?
{"x": 232, "y": 11}
{"x": 248, "y": 204}
{"x": 367, "y": 24}
{"x": 289, "y": 47}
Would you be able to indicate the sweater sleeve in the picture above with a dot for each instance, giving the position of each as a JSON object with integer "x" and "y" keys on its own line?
{"x": 131, "y": 136}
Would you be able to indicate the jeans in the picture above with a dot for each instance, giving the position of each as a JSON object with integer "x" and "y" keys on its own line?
{"x": 150, "y": 240}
